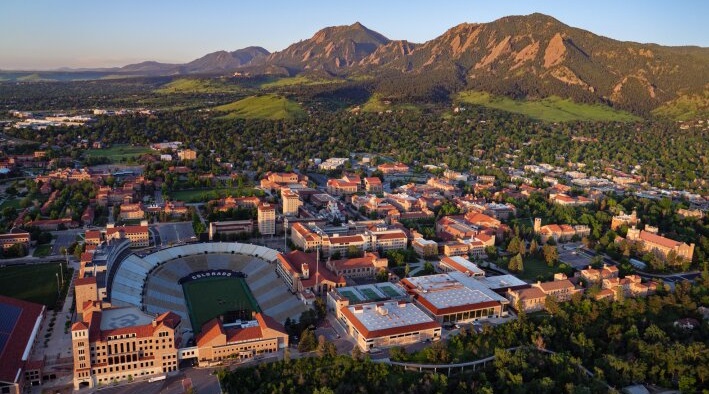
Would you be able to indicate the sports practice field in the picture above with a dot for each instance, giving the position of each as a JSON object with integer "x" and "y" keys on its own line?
{"x": 34, "y": 283}
{"x": 208, "y": 298}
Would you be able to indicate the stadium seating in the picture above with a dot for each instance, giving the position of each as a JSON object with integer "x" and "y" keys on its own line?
{"x": 152, "y": 281}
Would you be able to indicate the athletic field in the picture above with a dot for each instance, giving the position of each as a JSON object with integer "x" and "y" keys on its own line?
{"x": 208, "y": 298}
{"x": 34, "y": 283}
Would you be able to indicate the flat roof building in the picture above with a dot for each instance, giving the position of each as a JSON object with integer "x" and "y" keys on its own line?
{"x": 388, "y": 323}
{"x": 455, "y": 297}
{"x": 460, "y": 264}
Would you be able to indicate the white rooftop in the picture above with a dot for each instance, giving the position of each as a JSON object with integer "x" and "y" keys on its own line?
{"x": 123, "y": 317}
{"x": 501, "y": 281}
{"x": 453, "y": 289}
{"x": 466, "y": 264}
{"x": 389, "y": 314}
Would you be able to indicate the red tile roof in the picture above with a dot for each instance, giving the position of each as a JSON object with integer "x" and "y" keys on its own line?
{"x": 658, "y": 240}
{"x": 19, "y": 337}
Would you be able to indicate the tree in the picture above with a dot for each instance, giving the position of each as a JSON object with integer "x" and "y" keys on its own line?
{"x": 516, "y": 263}
{"x": 550, "y": 254}
{"x": 356, "y": 353}
{"x": 307, "y": 341}
{"x": 407, "y": 270}
{"x": 514, "y": 246}
{"x": 533, "y": 247}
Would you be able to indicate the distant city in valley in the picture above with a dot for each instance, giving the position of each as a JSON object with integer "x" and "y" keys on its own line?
{"x": 512, "y": 206}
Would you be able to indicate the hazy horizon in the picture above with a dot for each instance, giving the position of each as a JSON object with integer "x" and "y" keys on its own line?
{"x": 46, "y": 35}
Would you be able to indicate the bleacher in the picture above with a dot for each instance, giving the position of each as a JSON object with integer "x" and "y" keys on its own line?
{"x": 152, "y": 281}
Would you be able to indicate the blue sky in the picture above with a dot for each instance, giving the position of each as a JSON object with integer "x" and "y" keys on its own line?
{"x": 45, "y": 34}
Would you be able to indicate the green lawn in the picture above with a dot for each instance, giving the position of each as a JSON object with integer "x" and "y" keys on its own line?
{"x": 10, "y": 203}
{"x": 42, "y": 250}
{"x": 35, "y": 283}
{"x": 551, "y": 109}
{"x": 196, "y": 85}
{"x": 118, "y": 152}
{"x": 377, "y": 104}
{"x": 267, "y": 106}
{"x": 202, "y": 195}
{"x": 299, "y": 80}
{"x": 685, "y": 107}
{"x": 208, "y": 298}
{"x": 535, "y": 266}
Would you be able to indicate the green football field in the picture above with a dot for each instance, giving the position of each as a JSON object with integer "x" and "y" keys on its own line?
{"x": 34, "y": 283}
{"x": 208, "y": 298}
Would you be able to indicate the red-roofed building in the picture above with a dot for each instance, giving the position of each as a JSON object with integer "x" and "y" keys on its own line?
{"x": 373, "y": 185}
{"x": 563, "y": 199}
{"x": 21, "y": 324}
{"x": 92, "y": 237}
{"x": 393, "y": 168}
{"x": 389, "y": 323}
{"x": 660, "y": 245}
{"x": 358, "y": 267}
{"x": 8, "y": 240}
{"x": 139, "y": 236}
{"x": 277, "y": 180}
{"x": 341, "y": 187}
{"x": 303, "y": 273}
{"x": 243, "y": 341}
{"x": 123, "y": 343}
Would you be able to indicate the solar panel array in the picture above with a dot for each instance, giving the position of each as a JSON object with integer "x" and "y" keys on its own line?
{"x": 8, "y": 319}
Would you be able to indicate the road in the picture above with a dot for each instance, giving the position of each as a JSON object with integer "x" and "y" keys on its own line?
{"x": 158, "y": 197}
{"x": 64, "y": 239}
{"x": 203, "y": 381}
{"x": 671, "y": 278}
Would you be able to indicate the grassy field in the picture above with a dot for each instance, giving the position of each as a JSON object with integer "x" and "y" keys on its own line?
{"x": 35, "y": 283}
{"x": 534, "y": 267}
{"x": 551, "y": 109}
{"x": 42, "y": 251}
{"x": 202, "y": 195}
{"x": 299, "y": 80}
{"x": 267, "y": 106}
{"x": 210, "y": 297}
{"x": 118, "y": 152}
{"x": 195, "y": 85}
{"x": 377, "y": 104}
{"x": 10, "y": 203}
{"x": 685, "y": 107}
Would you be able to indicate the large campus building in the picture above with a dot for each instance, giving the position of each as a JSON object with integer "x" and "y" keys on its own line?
{"x": 123, "y": 343}
{"x": 661, "y": 246}
{"x": 134, "y": 319}
{"x": 455, "y": 297}
{"x": 388, "y": 323}
{"x": 19, "y": 326}
{"x": 242, "y": 340}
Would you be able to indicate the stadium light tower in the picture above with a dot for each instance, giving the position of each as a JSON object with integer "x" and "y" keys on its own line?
{"x": 285, "y": 234}
{"x": 61, "y": 267}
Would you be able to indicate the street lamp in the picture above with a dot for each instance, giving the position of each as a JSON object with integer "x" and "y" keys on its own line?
{"x": 61, "y": 268}
{"x": 58, "y": 288}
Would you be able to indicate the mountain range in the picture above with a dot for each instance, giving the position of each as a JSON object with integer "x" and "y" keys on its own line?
{"x": 518, "y": 56}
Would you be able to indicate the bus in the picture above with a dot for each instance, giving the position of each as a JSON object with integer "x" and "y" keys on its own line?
{"x": 157, "y": 378}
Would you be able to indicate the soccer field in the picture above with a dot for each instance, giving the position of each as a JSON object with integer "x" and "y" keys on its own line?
{"x": 34, "y": 283}
{"x": 208, "y": 298}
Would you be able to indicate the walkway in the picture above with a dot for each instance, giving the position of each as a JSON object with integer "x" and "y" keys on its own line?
{"x": 473, "y": 364}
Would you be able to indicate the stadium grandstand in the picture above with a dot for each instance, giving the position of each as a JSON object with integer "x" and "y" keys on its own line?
{"x": 152, "y": 282}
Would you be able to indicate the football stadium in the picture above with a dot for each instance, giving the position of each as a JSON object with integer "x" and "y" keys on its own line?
{"x": 199, "y": 282}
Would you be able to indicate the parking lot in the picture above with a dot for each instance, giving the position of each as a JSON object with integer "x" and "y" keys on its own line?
{"x": 576, "y": 258}
{"x": 64, "y": 240}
